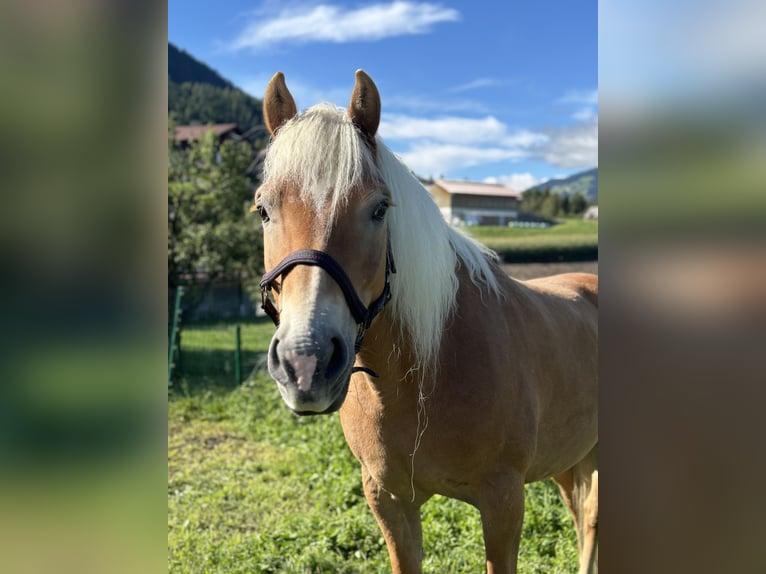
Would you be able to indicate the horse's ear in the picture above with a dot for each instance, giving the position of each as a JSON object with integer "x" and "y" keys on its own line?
{"x": 278, "y": 103}
{"x": 364, "y": 107}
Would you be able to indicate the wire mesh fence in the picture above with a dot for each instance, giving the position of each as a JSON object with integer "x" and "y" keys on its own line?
{"x": 213, "y": 351}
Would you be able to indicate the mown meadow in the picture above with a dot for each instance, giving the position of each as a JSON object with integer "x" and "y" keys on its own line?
{"x": 252, "y": 488}
{"x": 568, "y": 240}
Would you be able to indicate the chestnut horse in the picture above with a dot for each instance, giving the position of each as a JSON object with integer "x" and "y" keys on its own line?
{"x": 450, "y": 376}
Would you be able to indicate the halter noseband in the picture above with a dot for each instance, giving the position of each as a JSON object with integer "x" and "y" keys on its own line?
{"x": 362, "y": 315}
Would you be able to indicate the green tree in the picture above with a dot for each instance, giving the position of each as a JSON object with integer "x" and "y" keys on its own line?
{"x": 564, "y": 205}
{"x": 532, "y": 200}
{"x": 550, "y": 206}
{"x": 190, "y": 103}
{"x": 211, "y": 233}
{"x": 577, "y": 204}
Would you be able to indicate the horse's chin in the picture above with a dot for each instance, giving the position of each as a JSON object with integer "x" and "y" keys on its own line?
{"x": 340, "y": 389}
{"x": 328, "y": 411}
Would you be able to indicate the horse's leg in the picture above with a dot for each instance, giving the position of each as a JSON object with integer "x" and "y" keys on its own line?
{"x": 579, "y": 489}
{"x": 589, "y": 556}
{"x": 501, "y": 504}
{"x": 400, "y": 522}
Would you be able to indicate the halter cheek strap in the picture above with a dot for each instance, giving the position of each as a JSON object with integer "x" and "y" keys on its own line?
{"x": 362, "y": 315}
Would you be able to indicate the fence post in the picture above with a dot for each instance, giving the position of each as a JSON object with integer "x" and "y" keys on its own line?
{"x": 172, "y": 346}
{"x": 238, "y": 357}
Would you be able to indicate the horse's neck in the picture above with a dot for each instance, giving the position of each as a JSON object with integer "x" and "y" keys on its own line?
{"x": 387, "y": 351}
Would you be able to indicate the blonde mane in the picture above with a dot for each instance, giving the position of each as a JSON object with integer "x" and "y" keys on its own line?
{"x": 323, "y": 153}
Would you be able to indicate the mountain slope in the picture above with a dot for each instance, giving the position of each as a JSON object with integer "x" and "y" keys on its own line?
{"x": 584, "y": 183}
{"x": 183, "y": 67}
{"x": 197, "y": 94}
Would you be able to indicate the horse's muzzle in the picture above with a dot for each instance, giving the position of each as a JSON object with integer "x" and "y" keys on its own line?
{"x": 312, "y": 372}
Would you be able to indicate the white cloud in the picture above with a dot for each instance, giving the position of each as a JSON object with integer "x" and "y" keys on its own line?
{"x": 423, "y": 104}
{"x": 525, "y": 138}
{"x": 584, "y": 114}
{"x": 584, "y": 97}
{"x": 573, "y": 146}
{"x": 457, "y": 129}
{"x": 516, "y": 181}
{"x": 435, "y": 159}
{"x": 337, "y": 24}
{"x": 443, "y": 129}
{"x": 586, "y": 102}
{"x": 570, "y": 147}
{"x": 442, "y": 145}
{"x": 475, "y": 84}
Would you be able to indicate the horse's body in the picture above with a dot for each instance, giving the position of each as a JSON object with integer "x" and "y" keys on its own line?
{"x": 483, "y": 386}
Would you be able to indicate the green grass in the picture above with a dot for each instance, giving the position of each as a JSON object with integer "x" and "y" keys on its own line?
{"x": 570, "y": 240}
{"x": 252, "y": 488}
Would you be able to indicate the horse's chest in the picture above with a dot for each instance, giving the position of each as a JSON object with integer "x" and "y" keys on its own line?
{"x": 383, "y": 448}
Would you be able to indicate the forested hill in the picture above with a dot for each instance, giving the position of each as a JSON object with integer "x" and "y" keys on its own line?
{"x": 197, "y": 94}
{"x": 182, "y": 67}
{"x": 585, "y": 183}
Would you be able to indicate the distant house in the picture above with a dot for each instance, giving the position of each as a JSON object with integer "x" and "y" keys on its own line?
{"x": 470, "y": 203}
{"x": 185, "y": 134}
{"x": 591, "y": 212}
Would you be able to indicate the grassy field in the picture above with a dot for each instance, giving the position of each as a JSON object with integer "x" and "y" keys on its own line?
{"x": 570, "y": 240}
{"x": 252, "y": 488}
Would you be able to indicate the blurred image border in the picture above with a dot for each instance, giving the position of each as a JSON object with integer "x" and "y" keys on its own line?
{"x": 83, "y": 140}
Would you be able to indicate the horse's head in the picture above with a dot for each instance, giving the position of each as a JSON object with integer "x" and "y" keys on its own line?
{"x": 323, "y": 206}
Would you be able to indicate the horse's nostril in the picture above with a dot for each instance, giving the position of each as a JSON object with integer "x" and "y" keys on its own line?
{"x": 290, "y": 370}
{"x": 273, "y": 354}
{"x": 337, "y": 359}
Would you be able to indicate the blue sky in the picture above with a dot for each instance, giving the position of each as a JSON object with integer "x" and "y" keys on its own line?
{"x": 501, "y": 90}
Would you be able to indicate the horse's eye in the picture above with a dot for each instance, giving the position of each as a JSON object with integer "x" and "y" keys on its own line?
{"x": 262, "y": 212}
{"x": 380, "y": 211}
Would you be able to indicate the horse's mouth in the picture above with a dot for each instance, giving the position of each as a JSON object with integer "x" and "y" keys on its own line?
{"x": 328, "y": 411}
{"x": 340, "y": 390}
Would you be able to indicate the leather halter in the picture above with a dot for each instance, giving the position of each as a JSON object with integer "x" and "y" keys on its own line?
{"x": 362, "y": 315}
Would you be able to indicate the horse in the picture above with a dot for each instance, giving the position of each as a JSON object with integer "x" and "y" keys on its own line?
{"x": 450, "y": 376}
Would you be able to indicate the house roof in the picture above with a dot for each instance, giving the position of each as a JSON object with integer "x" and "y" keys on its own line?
{"x": 186, "y": 133}
{"x": 474, "y": 188}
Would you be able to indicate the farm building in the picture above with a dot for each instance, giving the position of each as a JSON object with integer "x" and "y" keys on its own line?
{"x": 186, "y": 134}
{"x": 591, "y": 213}
{"x": 471, "y": 203}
